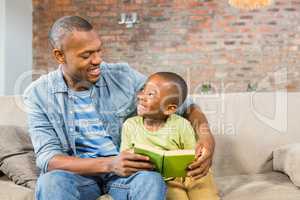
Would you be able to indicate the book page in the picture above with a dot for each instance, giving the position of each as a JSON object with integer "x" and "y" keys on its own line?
{"x": 180, "y": 152}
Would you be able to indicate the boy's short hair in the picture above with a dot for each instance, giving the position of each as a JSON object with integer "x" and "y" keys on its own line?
{"x": 179, "y": 84}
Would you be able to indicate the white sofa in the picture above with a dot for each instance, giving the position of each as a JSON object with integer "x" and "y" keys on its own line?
{"x": 247, "y": 128}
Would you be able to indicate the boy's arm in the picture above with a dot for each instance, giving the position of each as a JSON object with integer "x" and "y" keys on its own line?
{"x": 187, "y": 135}
{"x": 205, "y": 144}
{"x": 126, "y": 141}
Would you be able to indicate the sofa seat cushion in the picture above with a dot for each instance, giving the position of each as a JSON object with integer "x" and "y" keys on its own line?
{"x": 9, "y": 191}
{"x": 268, "y": 186}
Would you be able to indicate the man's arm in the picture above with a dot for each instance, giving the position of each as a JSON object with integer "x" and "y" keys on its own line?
{"x": 50, "y": 154}
{"x": 205, "y": 143}
{"x": 124, "y": 164}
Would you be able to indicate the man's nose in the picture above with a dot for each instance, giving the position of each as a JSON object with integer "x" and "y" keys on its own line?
{"x": 96, "y": 60}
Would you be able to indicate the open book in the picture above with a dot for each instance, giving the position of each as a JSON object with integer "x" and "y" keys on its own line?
{"x": 171, "y": 163}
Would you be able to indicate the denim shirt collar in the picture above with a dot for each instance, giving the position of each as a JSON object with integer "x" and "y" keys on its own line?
{"x": 59, "y": 84}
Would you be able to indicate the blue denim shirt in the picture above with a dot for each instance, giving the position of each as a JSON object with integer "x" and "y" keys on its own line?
{"x": 51, "y": 114}
{"x": 50, "y": 109}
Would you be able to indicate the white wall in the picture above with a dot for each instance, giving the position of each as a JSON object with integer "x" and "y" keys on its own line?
{"x": 17, "y": 45}
{"x": 2, "y": 39}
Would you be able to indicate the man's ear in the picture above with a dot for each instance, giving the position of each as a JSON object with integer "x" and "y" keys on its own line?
{"x": 59, "y": 56}
{"x": 171, "y": 109}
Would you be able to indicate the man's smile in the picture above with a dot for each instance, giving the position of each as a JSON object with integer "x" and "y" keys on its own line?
{"x": 94, "y": 71}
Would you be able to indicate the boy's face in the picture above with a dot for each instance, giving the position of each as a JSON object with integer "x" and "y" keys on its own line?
{"x": 152, "y": 99}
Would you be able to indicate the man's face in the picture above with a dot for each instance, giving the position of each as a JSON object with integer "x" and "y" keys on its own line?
{"x": 152, "y": 99}
{"x": 82, "y": 57}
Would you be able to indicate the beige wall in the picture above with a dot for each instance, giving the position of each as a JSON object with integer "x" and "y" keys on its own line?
{"x": 17, "y": 46}
{"x": 2, "y": 61}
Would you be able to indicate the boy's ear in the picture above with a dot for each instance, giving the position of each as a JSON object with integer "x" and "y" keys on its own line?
{"x": 171, "y": 109}
{"x": 59, "y": 56}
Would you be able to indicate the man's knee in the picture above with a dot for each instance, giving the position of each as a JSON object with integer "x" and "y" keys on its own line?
{"x": 150, "y": 178}
{"x": 54, "y": 180}
{"x": 149, "y": 185}
{"x": 61, "y": 184}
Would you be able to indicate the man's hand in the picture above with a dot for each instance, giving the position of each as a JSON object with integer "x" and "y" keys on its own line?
{"x": 200, "y": 167}
{"x": 127, "y": 163}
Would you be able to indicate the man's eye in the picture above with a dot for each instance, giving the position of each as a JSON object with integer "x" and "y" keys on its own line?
{"x": 85, "y": 56}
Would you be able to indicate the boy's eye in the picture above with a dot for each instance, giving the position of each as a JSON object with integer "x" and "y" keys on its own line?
{"x": 151, "y": 94}
{"x": 142, "y": 91}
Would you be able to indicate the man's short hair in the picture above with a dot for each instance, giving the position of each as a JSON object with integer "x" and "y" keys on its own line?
{"x": 180, "y": 86}
{"x": 64, "y": 26}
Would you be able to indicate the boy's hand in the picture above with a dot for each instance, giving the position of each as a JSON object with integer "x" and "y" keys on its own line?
{"x": 129, "y": 150}
{"x": 127, "y": 163}
{"x": 200, "y": 167}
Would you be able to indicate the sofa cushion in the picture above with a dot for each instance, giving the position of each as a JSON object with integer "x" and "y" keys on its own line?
{"x": 17, "y": 159}
{"x": 268, "y": 186}
{"x": 287, "y": 159}
{"x": 9, "y": 191}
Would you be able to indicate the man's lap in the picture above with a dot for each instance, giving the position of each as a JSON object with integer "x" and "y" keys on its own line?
{"x": 91, "y": 187}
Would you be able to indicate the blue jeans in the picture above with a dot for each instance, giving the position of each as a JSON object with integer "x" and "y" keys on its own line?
{"x": 64, "y": 185}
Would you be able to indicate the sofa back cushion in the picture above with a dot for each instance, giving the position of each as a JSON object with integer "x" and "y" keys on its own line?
{"x": 248, "y": 127}
{"x": 12, "y": 118}
{"x": 17, "y": 159}
{"x": 12, "y": 111}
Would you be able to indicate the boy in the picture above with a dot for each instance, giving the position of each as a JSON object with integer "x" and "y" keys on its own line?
{"x": 157, "y": 125}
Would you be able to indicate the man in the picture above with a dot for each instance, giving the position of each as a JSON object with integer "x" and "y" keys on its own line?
{"x": 75, "y": 114}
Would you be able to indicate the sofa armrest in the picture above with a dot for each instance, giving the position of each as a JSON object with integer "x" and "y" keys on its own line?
{"x": 287, "y": 160}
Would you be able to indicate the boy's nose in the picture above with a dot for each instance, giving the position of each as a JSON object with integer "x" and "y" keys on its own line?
{"x": 140, "y": 96}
